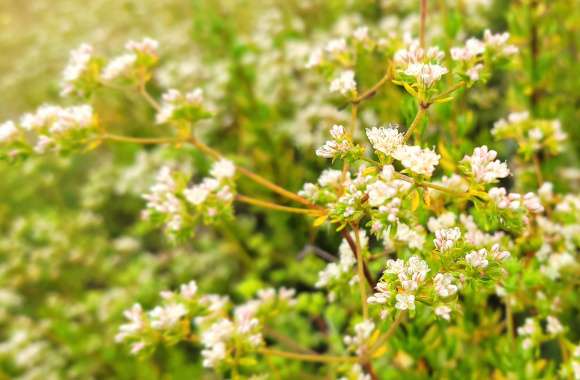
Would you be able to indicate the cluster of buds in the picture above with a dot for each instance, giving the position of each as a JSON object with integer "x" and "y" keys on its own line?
{"x": 483, "y": 167}
{"x": 48, "y": 129}
{"x": 172, "y": 203}
{"x": 81, "y": 74}
{"x": 532, "y": 135}
{"x": 341, "y": 145}
{"x": 475, "y": 58}
{"x": 419, "y": 68}
{"x": 85, "y": 71}
{"x": 405, "y": 282}
{"x": 177, "y": 107}
{"x": 187, "y": 315}
{"x": 135, "y": 65}
{"x": 531, "y": 331}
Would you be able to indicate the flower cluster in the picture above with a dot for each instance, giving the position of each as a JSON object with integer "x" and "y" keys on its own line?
{"x": 179, "y": 207}
{"x": 133, "y": 66}
{"x": 177, "y": 107}
{"x": 421, "y": 66}
{"x": 187, "y": 315}
{"x": 532, "y": 334}
{"x": 81, "y": 73}
{"x": 49, "y": 129}
{"x": 420, "y": 161}
{"x": 483, "y": 167}
{"x": 532, "y": 135}
{"x": 385, "y": 140}
{"x": 340, "y": 146}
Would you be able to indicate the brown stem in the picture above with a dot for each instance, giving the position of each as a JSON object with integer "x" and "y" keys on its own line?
{"x": 254, "y": 177}
{"x": 360, "y": 264}
{"x": 368, "y": 368}
{"x": 392, "y": 328}
{"x": 420, "y": 114}
{"x": 373, "y": 90}
{"x": 308, "y": 357}
{"x": 275, "y": 206}
{"x": 352, "y": 246}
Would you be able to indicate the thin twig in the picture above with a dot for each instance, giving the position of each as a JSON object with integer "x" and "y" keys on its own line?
{"x": 275, "y": 206}
{"x": 352, "y": 246}
{"x": 308, "y": 357}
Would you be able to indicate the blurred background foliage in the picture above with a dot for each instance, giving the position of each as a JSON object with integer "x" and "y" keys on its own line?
{"x": 73, "y": 250}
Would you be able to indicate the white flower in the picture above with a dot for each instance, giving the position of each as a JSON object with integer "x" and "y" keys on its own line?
{"x": 363, "y": 331}
{"x": 213, "y": 355}
{"x": 445, "y": 220}
{"x": 166, "y": 317}
{"x": 77, "y": 65}
{"x": 419, "y": 161}
{"x": 528, "y": 328}
{"x": 474, "y": 72}
{"x": 338, "y": 146}
{"x": 446, "y": 238}
{"x": 136, "y": 322}
{"x": 533, "y": 203}
{"x": 498, "y": 42}
{"x": 336, "y": 46}
{"x": 443, "y": 311}
{"x": 314, "y": 59}
{"x": 411, "y": 236}
{"x": 43, "y": 144}
{"x": 330, "y": 177}
{"x": 498, "y": 254}
{"x": 379, "y": 192}
{"x": 473, "y": 47}
{"x": 382, "y": 295}
{"x": 477, "y": 259}
{"x": 395, "y": 266}
{"x": 426, "y": 73}
{"x": 8, "y": 131}
{"x": 361, "y": 33}
{"x": 119, "y": 66}
{"x": 344, "y": 83}
{"x": 554, "y": 326}
{"x": 385, "y": 140}
{"x": 223, "y": 169}
{"x": 444, "y": 285}
{"x": 188, "y": 290}
{"x": 405, "y": 302}
{"x": 147, "y": 46}
{"x": 483, "y": 167}
{"x": 527, "y": 343}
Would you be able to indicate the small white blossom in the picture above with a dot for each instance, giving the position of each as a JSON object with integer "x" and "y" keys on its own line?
{"x": 385, "y": 140}
{"x": 484, "y": 167}
{"x": 8, "y": 131}
{"x": 166, "y": 317}
{"x": 553, "y": 326}
{"x": 426, "y": 73}
{"x": 443, "y": 311}
{"x": 418, "y": 160}
{"x": 444, "y": 285}
{"x": 344, "y": 84}
{"x": 446, "y": 238}
{"x": 119, "y": 66}
{"x": 76, "y": 67}
{"x": 477, "y": 259}
{"x": 336, "y": 46}
{"x": 498, "y": 254}
{"x": 223, "y": 169}
{"x": 405, "y": 302}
